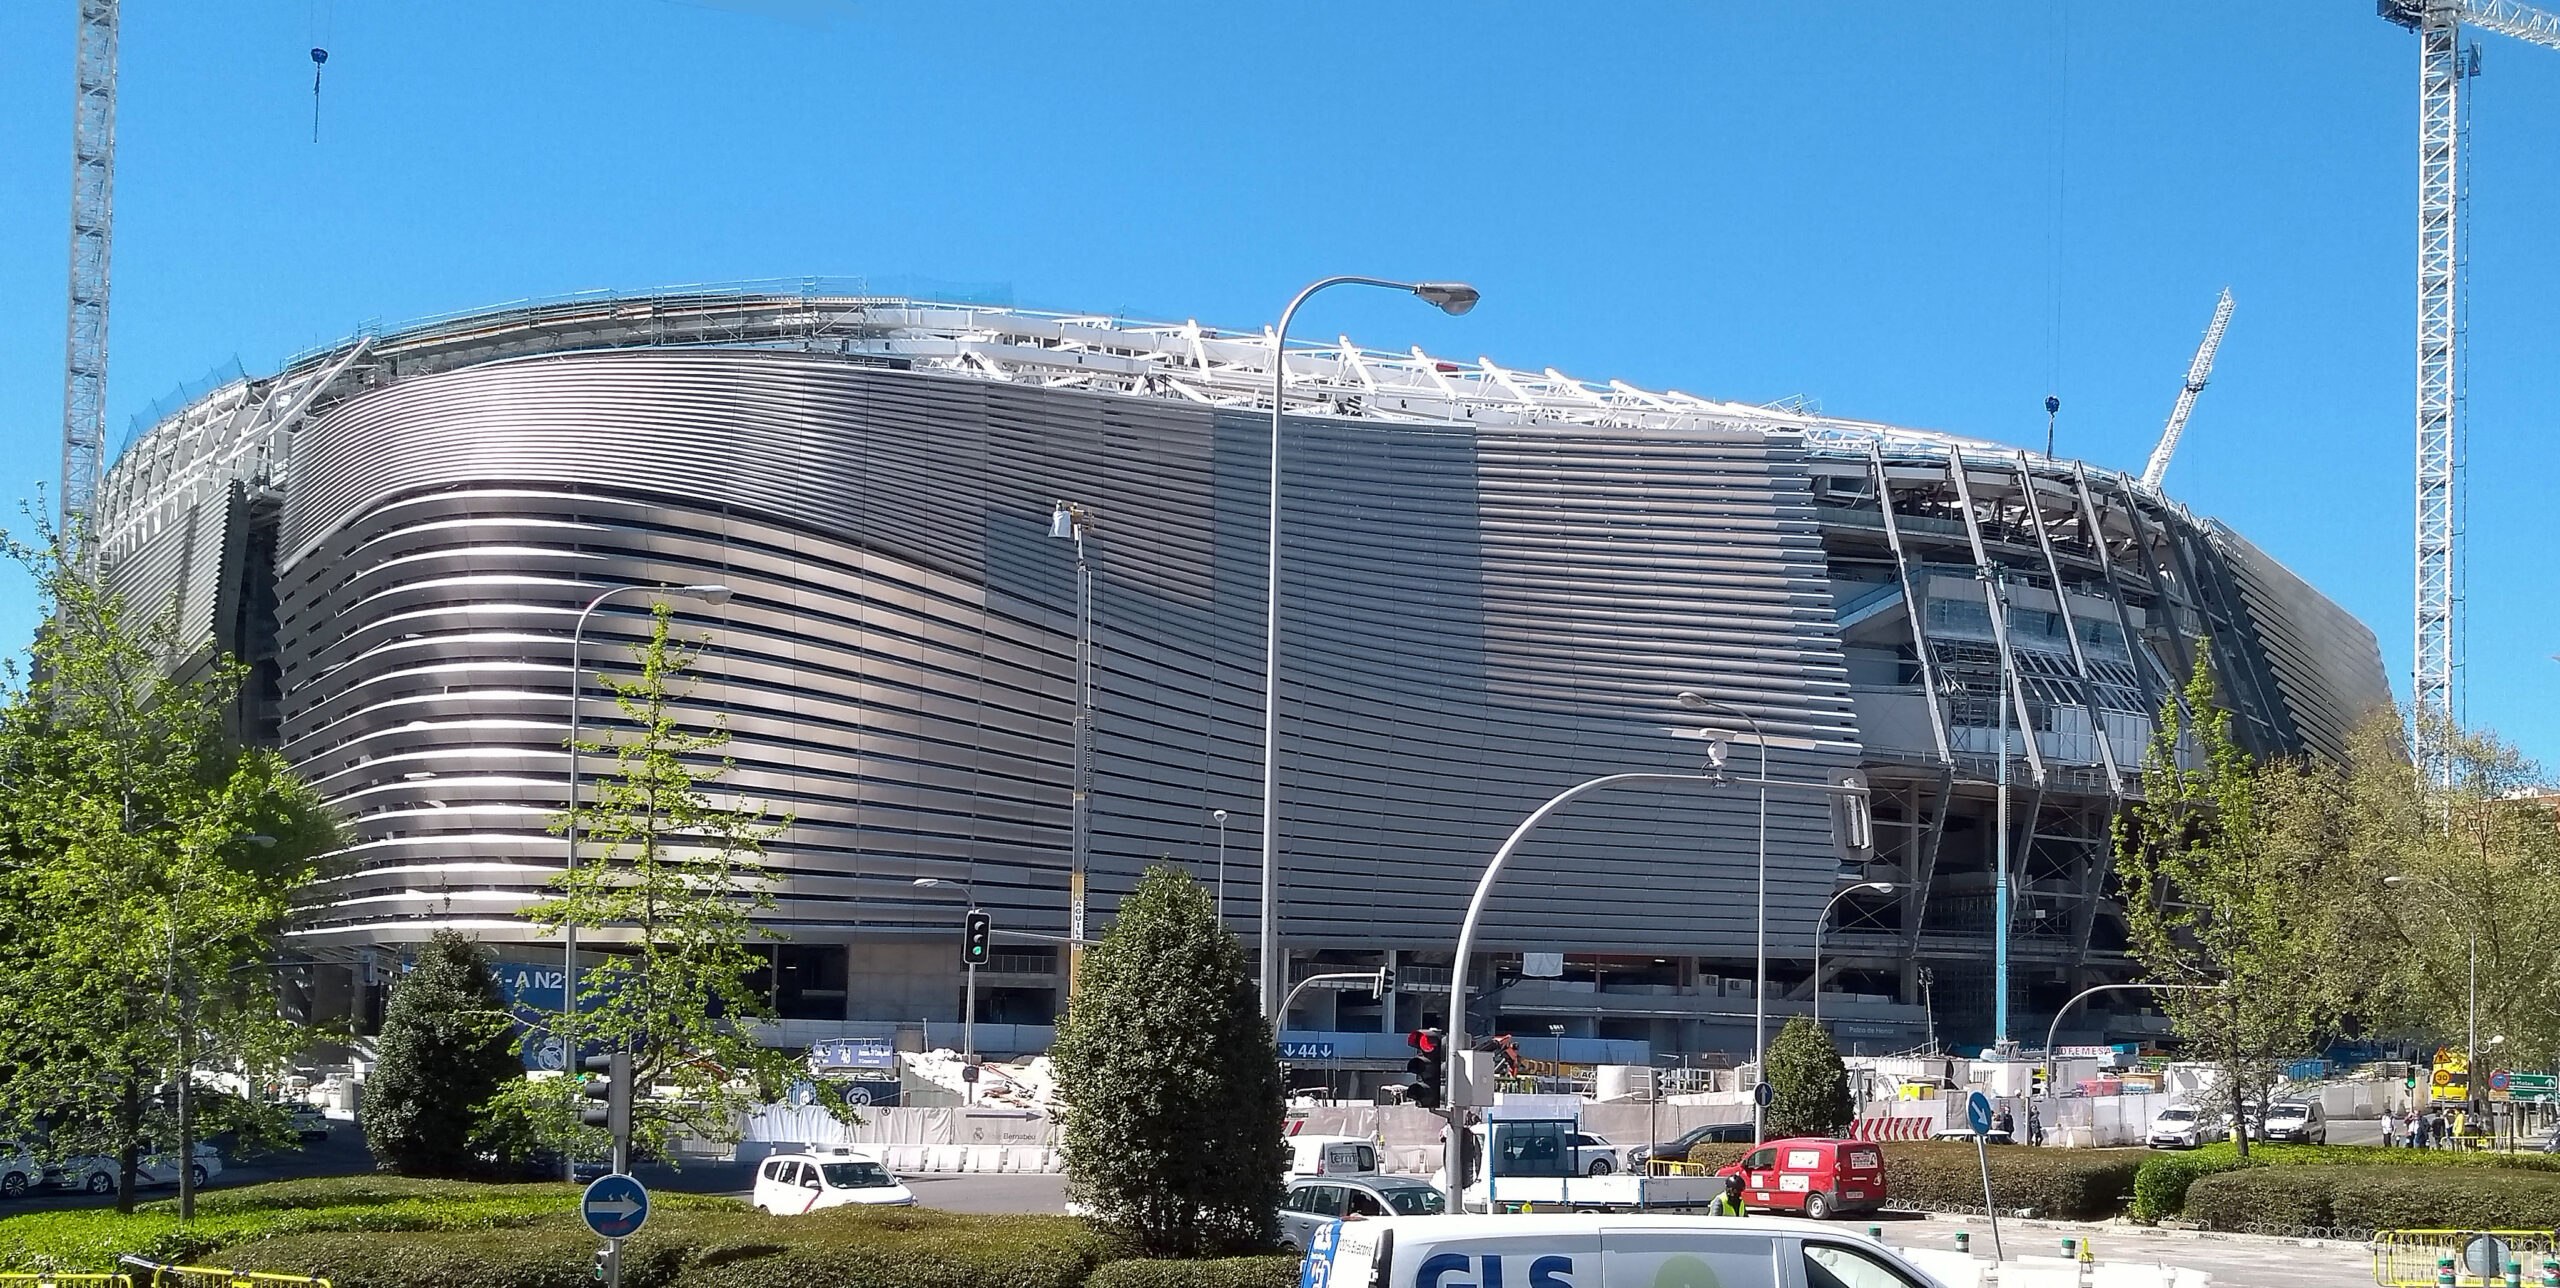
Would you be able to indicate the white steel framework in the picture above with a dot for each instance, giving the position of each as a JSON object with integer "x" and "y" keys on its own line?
{"x": 2198, "y": 372}
{"x": 2440, "y": 73}
{"x": 93, "y": 176}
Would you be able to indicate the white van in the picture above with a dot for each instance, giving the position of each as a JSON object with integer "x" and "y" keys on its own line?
{"x": 1331, "y": 1156}
{"x": 1601, "y": 1251}
{"x": 790, "y": 1184}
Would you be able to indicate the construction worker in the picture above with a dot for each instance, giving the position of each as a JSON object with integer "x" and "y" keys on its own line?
{"x": 1729, "y": 1203}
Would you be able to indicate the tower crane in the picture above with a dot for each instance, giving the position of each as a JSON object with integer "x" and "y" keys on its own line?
{"x": 2197, "y": 373}
{"x": 2441, "y": 71}
{"x": 93, "y": 181}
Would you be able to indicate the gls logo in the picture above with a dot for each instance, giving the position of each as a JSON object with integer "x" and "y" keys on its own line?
{"x": 1550, "y": 1271}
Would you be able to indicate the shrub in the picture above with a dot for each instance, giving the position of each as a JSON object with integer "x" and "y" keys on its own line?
{"x": 2160, "y": 1186}
{"x": 1716, "y": 1155}
{"x": 1172, "y": 1080}
{"x": 2160, "y": 1190}
{"x": 2376, "y": 1198}
{"x": 445, "y": 1052}
{"x": 2068, "y": 1184}
{"x": 1809, "y": 1087}
{"x": 1227, "y": 1272}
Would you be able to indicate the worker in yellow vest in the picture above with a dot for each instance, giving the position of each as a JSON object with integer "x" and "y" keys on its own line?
{"x": 1729, "y": 1203}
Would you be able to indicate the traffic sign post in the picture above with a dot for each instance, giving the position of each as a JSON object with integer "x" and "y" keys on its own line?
{"x": 1977, "y": 1115}
{"x": 615, "y": 1207}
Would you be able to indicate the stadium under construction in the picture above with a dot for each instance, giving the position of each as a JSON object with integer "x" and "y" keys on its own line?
{"x": 1494, "y": 583}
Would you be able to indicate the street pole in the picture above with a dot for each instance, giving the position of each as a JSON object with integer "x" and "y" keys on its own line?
{"x": 1221, "y": 816}
{"x": 1068, "y": 520}
{"x": 1697, "y": 701}
{"x": 714, "y": 595}
{"x": 1999, "y": 586}
{"x": 1453, "y": 298}
{"x": 1459, "y": 1089}
{"x": 1880, "y": 887}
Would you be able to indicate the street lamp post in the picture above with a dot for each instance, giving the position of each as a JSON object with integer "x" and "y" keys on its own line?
{"x": 1453, "y": 298}
{"x": 1068, "y": 520}
{"x": 969, "y": 993}
{"x": 1880, "y": 887}
{"x": 1850, "y": 785}
{"x": 1697, "y": 701}
{"x": 713, "y": 595}
{"x": 2471, "y": 1040}
{"x": 1221, "y": 816}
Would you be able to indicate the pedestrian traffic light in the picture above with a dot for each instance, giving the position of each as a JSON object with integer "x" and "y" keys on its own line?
{"x": 975, "y": 931}
{"x": 612, "y": 1085}
{"x": 1427, "y": 1072}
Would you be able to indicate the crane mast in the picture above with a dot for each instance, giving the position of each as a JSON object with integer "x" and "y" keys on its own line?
{"x": 2198, "y": 372}
{"x": 2438, "y": 24}
{"x": 93, "y": 178}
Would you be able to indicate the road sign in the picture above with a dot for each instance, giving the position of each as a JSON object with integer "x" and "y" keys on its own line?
{"x": 1306, "y": 1050}
{"x": 1977, "y": 1113}
{"x": 2499, "y": 1079}
{"x": 616, "y": 1206}
{"x": 2485, "y": 1255}
{"x": 1764, "y": 1093}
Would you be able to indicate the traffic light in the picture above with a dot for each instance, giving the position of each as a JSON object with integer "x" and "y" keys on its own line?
{"x": 614, "y": 1089}
{"x": 1427, "y": 1072}
{"x": 1386, "y": 982}
{"x": 975, "y": 931}
{"x": 2037, "y": 1084}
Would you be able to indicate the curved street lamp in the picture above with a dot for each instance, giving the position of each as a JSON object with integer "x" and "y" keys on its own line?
{"x": 1879, "y": 887}
{"x": 1452, "y": 298}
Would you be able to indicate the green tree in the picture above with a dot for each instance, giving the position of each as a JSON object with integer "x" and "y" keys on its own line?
{"x": 1808, "y": 1086}
{"x": 1171, "y": 1078}
{"x": 2229, "y": 870}
{"x": 147, "y": 861}
{"x": 669, "y": 881}
{"x": 445, "y": 1051}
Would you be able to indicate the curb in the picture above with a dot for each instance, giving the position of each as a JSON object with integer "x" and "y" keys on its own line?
{"x": 2141, "y": 1232}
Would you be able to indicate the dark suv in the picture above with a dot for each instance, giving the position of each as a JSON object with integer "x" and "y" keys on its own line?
{"x": 1677, "y": 1149}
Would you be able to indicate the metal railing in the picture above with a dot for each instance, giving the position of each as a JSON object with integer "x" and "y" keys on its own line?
{"x": 2411, "y": 1258}
{"x": 175, "y": 1276}
{"x": 17, "y": 1280}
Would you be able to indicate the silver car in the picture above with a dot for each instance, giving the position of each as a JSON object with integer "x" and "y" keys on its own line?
{"x": 1314, "y": 1202}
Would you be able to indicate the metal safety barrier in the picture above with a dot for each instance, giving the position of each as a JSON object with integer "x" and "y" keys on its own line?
{"x": 1667, "y": 1167}
{"x": 48, "y": 1281}
{"x": 174, "y": 1276}
{"x": 2411, "y": 1258}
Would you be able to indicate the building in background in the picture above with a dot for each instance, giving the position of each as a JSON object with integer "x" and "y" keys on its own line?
{"x": 1495, "y": 584}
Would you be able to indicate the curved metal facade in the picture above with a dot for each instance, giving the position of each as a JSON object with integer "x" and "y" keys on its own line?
{"x": 1494, "y": 585}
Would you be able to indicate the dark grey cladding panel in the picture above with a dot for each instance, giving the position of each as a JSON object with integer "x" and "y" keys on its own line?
{"x": 1473, "y": 619}
{"x": 2326, "y": 664}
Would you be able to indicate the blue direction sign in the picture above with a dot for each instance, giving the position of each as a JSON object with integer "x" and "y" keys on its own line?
{"x": 1306, "y": 1050}
{"x": 1977, "y": 1113}
{"x": 1764, "y": 1093}
{"x": 616, "y": 1206}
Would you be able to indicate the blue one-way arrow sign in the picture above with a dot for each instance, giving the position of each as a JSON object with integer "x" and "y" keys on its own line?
{"x": 616, "y": 1206}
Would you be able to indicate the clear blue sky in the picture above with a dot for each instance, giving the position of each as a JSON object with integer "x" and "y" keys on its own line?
{"x": 1924, "y": 214}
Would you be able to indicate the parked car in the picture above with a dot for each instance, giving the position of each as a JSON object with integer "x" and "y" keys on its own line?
{"x": 1676, "y": 1149}
{"x": 1326, "y": 1155}
{"x": 1595, "y": 1155}
{"x": 2299, "y": 1121}
{"x": 96, "y": 1174}
{"x": 790, "y": 1184}
{"x": 2185, "y": 1127}
{"x": 19, "y": 1170}
{"x": 1814, "y": 1175}
{"x": 1313, "y": 1203}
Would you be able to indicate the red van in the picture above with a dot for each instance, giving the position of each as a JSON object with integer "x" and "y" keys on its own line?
{"x": 1814, "y": 1176}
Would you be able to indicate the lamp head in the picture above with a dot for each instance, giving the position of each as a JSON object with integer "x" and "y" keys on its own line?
{"x": 928, "y": 881}
{"x": 1719, "y": 746}
{"x": 1062, "y": 520}
{"x": 1696, "y": 701}
{"x": 1881, "y": 887}
{"x": 1452, "y": 298}
{"x": 1218, "y": 814}
{"x": 714, "y": 595}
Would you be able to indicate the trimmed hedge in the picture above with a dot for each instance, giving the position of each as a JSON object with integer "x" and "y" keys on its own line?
{"x": 2069, "y": 1184}
{"x": 2160, "y": 1189}
{"x": 1225, "y": 1272}
{"x": 2066, "y": 1184}
{"x": 2377, "y": 1198}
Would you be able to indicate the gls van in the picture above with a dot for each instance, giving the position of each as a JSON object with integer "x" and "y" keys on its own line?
{"x": 1599, "y": 1251}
